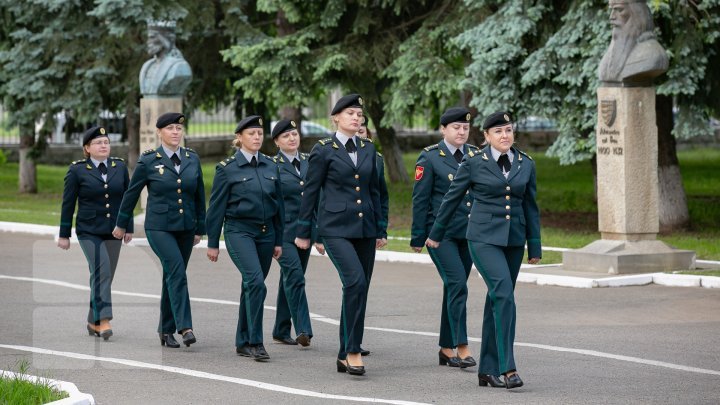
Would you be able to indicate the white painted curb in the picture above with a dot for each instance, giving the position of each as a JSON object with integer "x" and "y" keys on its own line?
{"x": 75, "y": 396}
{"x": 672, "y": 280}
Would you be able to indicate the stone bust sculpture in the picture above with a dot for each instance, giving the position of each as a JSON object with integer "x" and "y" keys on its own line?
{"x": 634, "y": 56}
{"x": 167, "y": 73}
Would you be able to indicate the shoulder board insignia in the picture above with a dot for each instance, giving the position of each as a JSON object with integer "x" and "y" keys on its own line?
{"x": 523, "y": 153}
{"x": 304, "y": 156}
{"x": 471, "y": 153}
{"x": 471, "y": 146}
{"x": 222, "y": 162}
{"x": 226, "y": 161}
{"x": 77, "y": 162}
{"x": 117, "y": 158}
{"x": 324, "y": 141}
{"x": 148, "y": 152}
{"x": 379, "y": 154}
{"x": 431, "y": 147}
{"x": 191, "y": 150}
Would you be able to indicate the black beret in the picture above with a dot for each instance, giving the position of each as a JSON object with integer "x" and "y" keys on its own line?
{"x": 351, "y": 100}
{"x": 93, "y": 133}
{"x": 455, "y": 114}
{"x": 169, "y": 118}
{"x": 283, "y": 126}
{"x": 253, "y": 121}
{"x": 497, "y": 119}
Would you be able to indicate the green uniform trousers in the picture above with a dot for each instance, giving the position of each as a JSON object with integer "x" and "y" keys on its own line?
{"x": 252, "y": 252}
{"x": 101, "y": 252}
{"x": 499, "y": 267}
{"x": 453, "y": 263}
{"x": 173, "y": 248}
{"x": 292, "y": 304}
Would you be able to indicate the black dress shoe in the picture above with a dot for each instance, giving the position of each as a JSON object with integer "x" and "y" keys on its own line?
{"x": 303, "y": 339}
{"x": 444, "y": 360}
{"x": 167, "y": 339}
{"x": 364, "y": 352}
{"x": 344, "y": 367}
{"x": 467, "y": 362}
{"x": 189, "y": 337}
{"x": 259, "y": 353}
{"x": 493, "y": 380}
{"x": 513, "y": 381}
{"x": 244, "y": 351}
{"x": 285, "y": 340}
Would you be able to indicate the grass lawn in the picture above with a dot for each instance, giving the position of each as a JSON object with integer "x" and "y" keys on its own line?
{"x": 565, "y": 197}
{"x": 15, "y": 390}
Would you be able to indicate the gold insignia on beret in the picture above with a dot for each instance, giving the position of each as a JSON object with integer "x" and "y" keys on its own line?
{"x": 293, "y": 124}
{"x": 450, "y": 176}
{"x": 506, "y": 117}
{"x": 467, "y": 117}
{"x": 260, "y": 121}
{"x": 360, "y": 101}
{"x": 102, "y": 131}
{"x": 181, "y": 120}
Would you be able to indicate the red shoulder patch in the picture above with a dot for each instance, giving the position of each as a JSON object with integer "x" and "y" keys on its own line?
{"x": 419, "y": 170}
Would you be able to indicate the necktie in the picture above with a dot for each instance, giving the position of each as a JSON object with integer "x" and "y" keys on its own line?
{"x": 175, "y": 159}
{"x": 504, "y": 163}
{"x": 253, "y": 162}
{"x": 350, "y": 146}
{"x": 458, "y": 155}
{"x": 296, "y": 163}
{"x": 102, "y": 167}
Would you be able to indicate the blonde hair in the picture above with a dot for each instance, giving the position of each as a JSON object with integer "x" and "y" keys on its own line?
{"x": 85, "y": 151}
{"x": 236, "y": 143}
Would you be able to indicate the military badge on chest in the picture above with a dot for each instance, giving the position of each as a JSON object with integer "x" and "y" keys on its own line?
{"x": 161, "y": 169}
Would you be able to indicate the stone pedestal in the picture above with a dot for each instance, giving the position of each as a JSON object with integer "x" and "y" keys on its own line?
{"x": 627, "y": 190}
{"x": 151, "y": 107}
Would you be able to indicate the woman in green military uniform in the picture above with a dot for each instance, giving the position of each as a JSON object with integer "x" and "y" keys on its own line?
{"x": 174, "y": 220}
{"x": 292, "y": 305}
{"x": 350, "y": 223}
{"x": 434, "y": 171}
{"x": 247, "y": 197}
{"x": 503, "y": 218}
{"x": 97, "y": 184}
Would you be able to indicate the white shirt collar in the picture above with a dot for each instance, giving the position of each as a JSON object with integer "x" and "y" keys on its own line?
{"x": 169, "y": 152}
{"x": 496, "y": 154}
{"x": 249, "y": 156}
{"x": 97, "y": 162}
{"x": 344, "y": 138}
{"x": 452, "y": 149}
{"x": 290, "y": 158}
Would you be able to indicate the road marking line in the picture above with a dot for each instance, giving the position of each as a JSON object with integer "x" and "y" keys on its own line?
{"x": 331, "y": 321}
{"x": 206, "y": 375}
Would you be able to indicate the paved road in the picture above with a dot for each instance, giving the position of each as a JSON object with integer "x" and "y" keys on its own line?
{"x": 646, "y": 344}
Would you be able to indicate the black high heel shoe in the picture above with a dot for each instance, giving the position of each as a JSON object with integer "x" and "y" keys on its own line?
{"x": 167, "y": 339}
{"x": 91, "y": 331}
{"x": 467, "y": 362}
{"x": 444, "y": 360}
{"x": 188, "y": 337}
{"x": 492, "y": 380}
{"x": 513, "y": 381}
{"x": 344, "y": 367}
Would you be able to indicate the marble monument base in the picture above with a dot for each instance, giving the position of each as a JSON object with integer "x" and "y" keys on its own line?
{"x": 628, "y": 257}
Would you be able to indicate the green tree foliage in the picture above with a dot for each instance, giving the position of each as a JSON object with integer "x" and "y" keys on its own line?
{"x": 541, "y": 58}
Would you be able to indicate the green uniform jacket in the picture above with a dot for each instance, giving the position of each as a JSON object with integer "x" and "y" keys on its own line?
{"x": 293, "y": 187}
{"x": 98, "y": 200}
{"x": 504, "y": 211}
{"x": 434, "y": 171}
{"x": 350, "y": 206}
{"x": 252, "y": 196}
{"x": 176, "y": 201}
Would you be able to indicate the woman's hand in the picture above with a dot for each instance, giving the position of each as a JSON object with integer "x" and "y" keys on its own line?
{"x": 118, "y": 233}
{"x": 64, "y": 243}
{"x": 302, "y": 243}
{"x": 432, "y": 244}
{"x": 417, "y": 249}
{"x": 197, "y": 239}
{"x": 380, "y": 243}
{"x": 127, "y": 238}
{"x": 534, "y": 260}
{"x": 277, "y": 252}
{"x": 212, "y": 254}
{"x": 320, "y": 248}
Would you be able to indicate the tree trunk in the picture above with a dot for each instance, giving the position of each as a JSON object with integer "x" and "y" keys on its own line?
{"x": 394, "y": 166}
{"x": 476, "y": 135}
{"x": 674, "y": 213}
{"x": 132, "y": 124}
{"x": 27, "y": 176}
